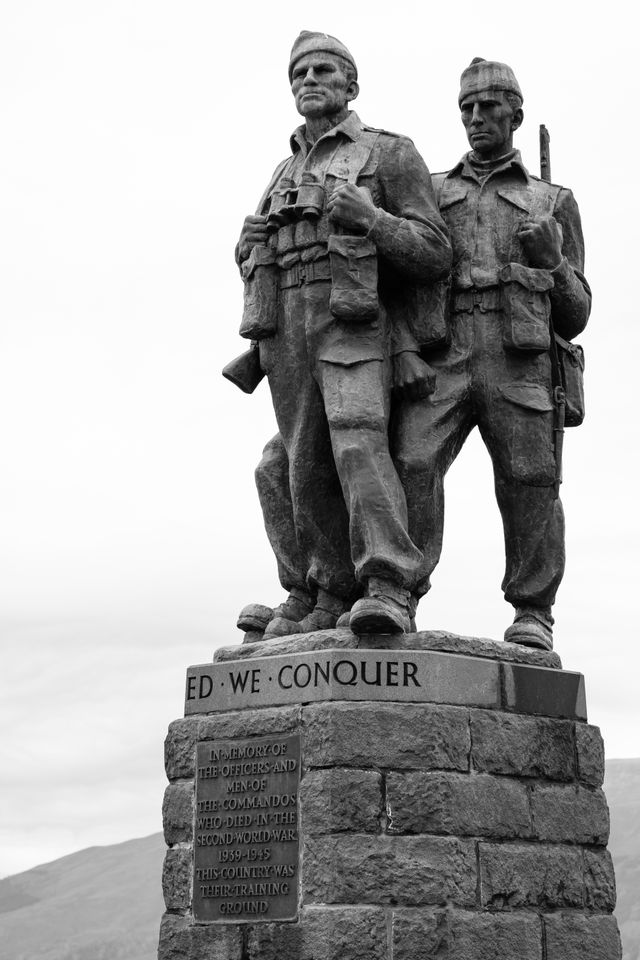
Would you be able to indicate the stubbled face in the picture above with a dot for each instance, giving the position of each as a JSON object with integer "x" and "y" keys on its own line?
{"x": 490, "y": 122}
{"x": 320, "y": 86}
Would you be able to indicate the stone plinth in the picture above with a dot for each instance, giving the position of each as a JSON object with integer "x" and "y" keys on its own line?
{"x": 428, "y": 826}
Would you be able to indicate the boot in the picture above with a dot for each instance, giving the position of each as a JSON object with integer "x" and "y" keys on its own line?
{"x": 323, "y": 617}
{"x": 385, "y": 608}
{"x": 531, "y": 627}
{"x": 255, "y": 617}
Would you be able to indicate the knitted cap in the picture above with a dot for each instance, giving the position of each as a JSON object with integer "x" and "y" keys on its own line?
{"x": 311, "y": 42}
{"x": 483, "y": 75}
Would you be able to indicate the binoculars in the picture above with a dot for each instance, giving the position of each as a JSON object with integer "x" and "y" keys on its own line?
{"x": 292, "y": 203}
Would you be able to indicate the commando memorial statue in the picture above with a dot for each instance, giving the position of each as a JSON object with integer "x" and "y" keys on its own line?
{"x": 343, "y": 786}
{"x": 343, "y": 268}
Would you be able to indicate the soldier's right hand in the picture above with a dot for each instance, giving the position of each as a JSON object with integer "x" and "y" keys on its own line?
{"x": 413, "y": 379}
{"x": 254, "y": 231}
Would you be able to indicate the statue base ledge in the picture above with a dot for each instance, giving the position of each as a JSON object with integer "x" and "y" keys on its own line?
{"x": 435, "y": 640}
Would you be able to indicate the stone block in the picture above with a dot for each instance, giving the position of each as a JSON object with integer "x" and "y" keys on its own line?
{"x": 569, "y": 814}
{"x": 323, "y": 933}
{"x": 180, "y": 749}
{"x": 176, "y": 878}
{"x": 391, "y": 735}
{"x": 248, "y": 723}
{"x": 420, "y": 934}
{"x": 547, "y": 693}
{"x": 522, "y": 746}
{"x": 513, "y": 876}
{"x": 177, "y": 813}
{"x": 340, "y": 799}
{"x": 360, "y": 868}
{"x": 459, "y": 935}
{"x": 491, "y": 936}
{"x": 590, "y": 753}
{"x": 578, "y": 937}
{"x": 458, "y": 803}
{"x": 599, "y": 881}
{"x": 182, "y": 940}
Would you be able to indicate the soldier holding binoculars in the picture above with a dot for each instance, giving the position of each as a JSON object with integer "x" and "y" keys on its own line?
{"x": 345, "y": 233}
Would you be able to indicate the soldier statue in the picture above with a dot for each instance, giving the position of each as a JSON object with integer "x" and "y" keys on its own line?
{"x": 518, "y": 295}
{"x": 345, "y": 234}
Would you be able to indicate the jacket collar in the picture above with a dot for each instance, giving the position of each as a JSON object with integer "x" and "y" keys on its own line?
{"x": 351, "y": 127}
{"x": 464, "y": 168}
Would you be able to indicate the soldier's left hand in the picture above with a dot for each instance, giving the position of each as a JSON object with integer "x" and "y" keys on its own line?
{"x": 542, "y": 242}
{"x": 352, "y": 207}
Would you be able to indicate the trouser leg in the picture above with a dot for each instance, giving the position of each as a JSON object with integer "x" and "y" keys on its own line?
{"x": 427, "y": 437}
{"x": 356, "y": 400}
{"x": 272, "y": 482}
{"x": 320, "y": 516}
{"x": 517, "y": 427}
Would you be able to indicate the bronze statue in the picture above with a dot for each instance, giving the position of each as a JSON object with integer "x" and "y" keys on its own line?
{"x": 518, "y": 295}
{"x": 346, "y": 236}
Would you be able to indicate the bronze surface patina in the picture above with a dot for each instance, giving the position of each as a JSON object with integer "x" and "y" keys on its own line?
{"x": 351, "y": 321}
{"x": 345, "y": 235}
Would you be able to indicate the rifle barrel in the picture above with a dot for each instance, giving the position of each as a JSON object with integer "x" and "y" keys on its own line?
{"x": 545, "y": 154}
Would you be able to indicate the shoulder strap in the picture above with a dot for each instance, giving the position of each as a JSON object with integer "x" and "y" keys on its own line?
{"x": 274, "y": 179}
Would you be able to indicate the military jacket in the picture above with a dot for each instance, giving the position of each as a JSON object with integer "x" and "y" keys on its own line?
{"x": 409, "y": 234}
{"x": 483, "y": 217}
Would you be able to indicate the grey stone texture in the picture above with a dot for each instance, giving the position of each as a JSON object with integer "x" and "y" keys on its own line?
{"x": 389, "y": 735}
{"x": 573, "y": 936}
{"x": 324, "y": 933}
{"x": 338, "y": 800}
{"x": 428, "y": 831}
{"x": 176, "y": 878}
{"x": 181, "y": 939}
{"x": 177, "y": 813}
{"x": 412, "y": 870}
{"x": 452, "y": 803}
{"x": 590, "y": 754}
{"x": 571, "y": 813}
{"x": 522, "y": 746}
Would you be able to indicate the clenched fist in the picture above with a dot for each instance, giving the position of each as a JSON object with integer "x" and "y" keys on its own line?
{"x": 542, "y": 242}
{"x": 254, "y": 231}
{"x": 352, "y": 207}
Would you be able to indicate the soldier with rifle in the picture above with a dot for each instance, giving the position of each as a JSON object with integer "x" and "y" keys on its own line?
{"x": 517, "y": 282}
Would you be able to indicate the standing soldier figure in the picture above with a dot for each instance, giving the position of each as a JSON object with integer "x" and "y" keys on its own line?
{"x": 518, "y": 257}
{"x": 346, "y": 230}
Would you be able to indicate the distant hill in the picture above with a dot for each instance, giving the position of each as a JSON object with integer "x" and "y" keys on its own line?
{"x": 622, "y": 787}
{"x": 105, "y": 903}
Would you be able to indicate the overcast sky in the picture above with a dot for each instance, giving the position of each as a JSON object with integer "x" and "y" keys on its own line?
{"x": 136, "y": 136}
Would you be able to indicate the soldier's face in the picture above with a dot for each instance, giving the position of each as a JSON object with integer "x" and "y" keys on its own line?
{"x": 320, "y": 86}
{"x": 490, "y": 121}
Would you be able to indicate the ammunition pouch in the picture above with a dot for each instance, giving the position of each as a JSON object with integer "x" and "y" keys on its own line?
{"x": 571, "y": 367}
{"x": 260, "y": 275}
{"x": 526, "y": 308}
{"x": 354, "y": 279}
{"x": 428, "y": 316}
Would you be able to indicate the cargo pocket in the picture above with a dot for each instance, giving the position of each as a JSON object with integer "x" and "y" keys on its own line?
{"x": 260, "y": 275}
{"x": 354, "y": 279}
{"x": 526, "y": 308}
{"x": 528, "y": 431}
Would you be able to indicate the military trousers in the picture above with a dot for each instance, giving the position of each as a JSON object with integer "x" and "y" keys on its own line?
{"x": 345, "y": 499}
{"x": 508, "y": 397}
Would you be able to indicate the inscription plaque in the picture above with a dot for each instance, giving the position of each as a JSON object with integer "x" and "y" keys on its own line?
{"x": 246, "y": 849}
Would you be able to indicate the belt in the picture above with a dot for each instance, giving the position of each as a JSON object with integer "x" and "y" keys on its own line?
{"x": 464, "y": 301}
{"x": 301, "y": 273}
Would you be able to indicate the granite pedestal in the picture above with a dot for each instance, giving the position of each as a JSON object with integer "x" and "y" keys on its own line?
{"x": 331, "y": 798}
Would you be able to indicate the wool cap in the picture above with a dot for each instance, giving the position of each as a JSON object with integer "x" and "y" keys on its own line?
{"x": 483, "y": 75}
{"x": 310, "y": 42}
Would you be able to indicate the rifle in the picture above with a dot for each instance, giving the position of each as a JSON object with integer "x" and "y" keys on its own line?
{"x": 559, "y": 398}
